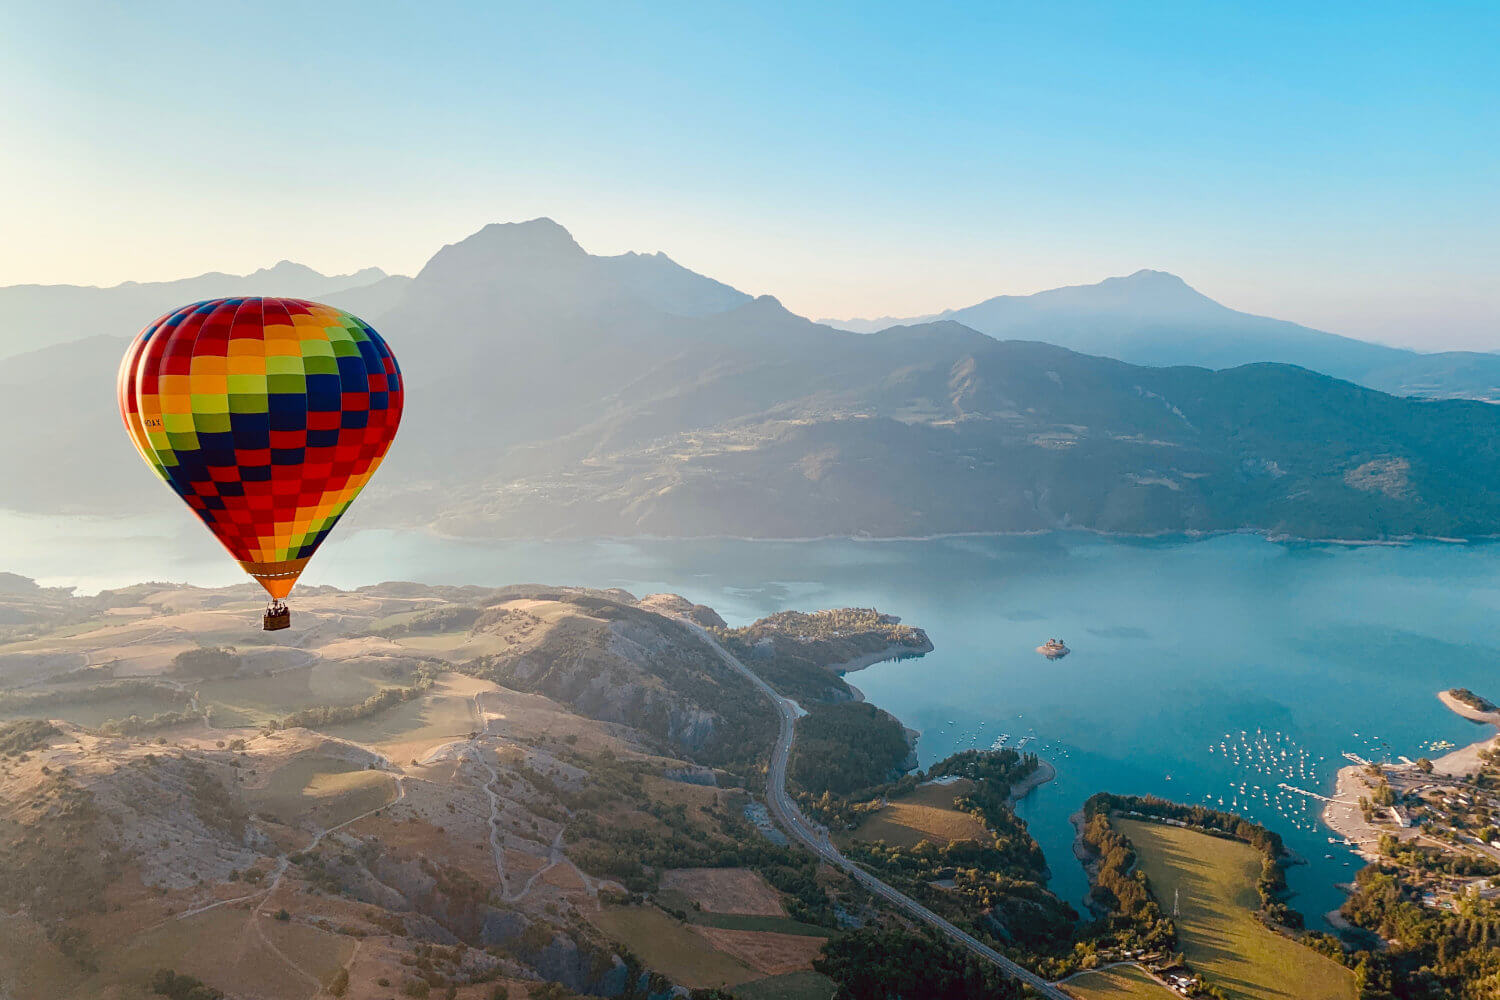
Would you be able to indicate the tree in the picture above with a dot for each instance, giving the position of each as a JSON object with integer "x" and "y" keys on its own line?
{"x": 177, "y": 986}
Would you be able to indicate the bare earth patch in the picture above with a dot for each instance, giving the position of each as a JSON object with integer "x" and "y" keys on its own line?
{"x": 725, "y": 890}
{"x": 767, "y": 951}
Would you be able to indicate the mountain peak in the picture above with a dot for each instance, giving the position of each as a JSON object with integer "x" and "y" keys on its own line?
{"x": 283, "y": 269}
{"x": 535, "y": 237}
{"x": 504, "y": 245}
{"x": 1148, "y": 276}
{"x": 1158, "y": 293}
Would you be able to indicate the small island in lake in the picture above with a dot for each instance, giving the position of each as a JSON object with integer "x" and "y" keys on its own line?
{"x": 1475, "y": 708}
{"x": 1054, "y": 649}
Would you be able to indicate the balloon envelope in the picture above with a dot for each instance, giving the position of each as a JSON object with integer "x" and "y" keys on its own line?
{"x": 267, "y": 416}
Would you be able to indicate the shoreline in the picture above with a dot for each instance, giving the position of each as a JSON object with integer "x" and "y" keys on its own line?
{"x": 1345, "y": 817}
{"x": 1468, "y": 711}
{"x": 893, "y": 651}
{"x": 1464, "y": 760}
{"x": 1044, "y": 773}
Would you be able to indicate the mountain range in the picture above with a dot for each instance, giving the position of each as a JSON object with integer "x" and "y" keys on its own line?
{"x": 1155, "y": 318}
{"x": 36, "y": 316}
{"x": 554, "y": 392}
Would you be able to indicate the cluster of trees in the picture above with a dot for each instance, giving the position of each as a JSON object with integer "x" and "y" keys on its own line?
{"x": 1122, "y": 890}
{"x": 839, "y": 813}
{"x": 1413, "y": 856}
{"x": 206, "y": 661}
{"x": 787, "y": 666}
{"x": 845, "y": 748}
{"x": 831, "y": 624}
{"x": 333, "y": 715}
{"x": 1271, "y": 884}
{"x": 448, "y": 618}
{"x": 1437, "y": 953}
{"x": 180, "y": 986}
{"x": 995, "y": 774}
{"x": 999, "y": 769}
{"x": 889, "y": 965}
{"x": 1213, "y": 820}
{"x": 135, "y": 725}
{"x": 17, "y": 702}
{"x": 795, "y": 651}
{"x": 997, "y": 884}
{"x": 1474, "y": 701}
{"x": 24, "y": 735}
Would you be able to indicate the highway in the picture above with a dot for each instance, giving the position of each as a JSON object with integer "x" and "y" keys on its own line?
{"x": 815, "y": 838}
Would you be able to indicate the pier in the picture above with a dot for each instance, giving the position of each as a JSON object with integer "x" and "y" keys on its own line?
{"x": 1313, "y": 795}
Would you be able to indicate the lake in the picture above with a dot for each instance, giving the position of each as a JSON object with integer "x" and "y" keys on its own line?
{"x": 1200, "y": 669}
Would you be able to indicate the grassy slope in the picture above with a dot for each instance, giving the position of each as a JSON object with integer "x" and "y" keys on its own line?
{"x": 331, "y": 790}
{"x": 791, "y": 986}
{"x": 671, "y": 947}
{"x": 926, "y": 813}
{"x": 1217, "y": 931}
{"x": 411, "y": 729}
{"x": 96, "y": 713}
{"x": 258, "y": 699}
{"x": 1125, "y": 983}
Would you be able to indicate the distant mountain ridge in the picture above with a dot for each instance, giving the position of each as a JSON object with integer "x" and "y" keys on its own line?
{"x": 555, "y": 392}
{"x": 1155, "y": 318}
{"x": 36, "y": 316}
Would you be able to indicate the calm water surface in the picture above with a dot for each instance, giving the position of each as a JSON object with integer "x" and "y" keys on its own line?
{"x": 1287, "y": 655}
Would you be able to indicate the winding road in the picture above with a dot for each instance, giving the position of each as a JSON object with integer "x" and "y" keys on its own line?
{"x": 815, "y": 838}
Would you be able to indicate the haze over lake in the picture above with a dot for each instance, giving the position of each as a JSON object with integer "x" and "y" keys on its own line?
{"x": 1178, "y": 645}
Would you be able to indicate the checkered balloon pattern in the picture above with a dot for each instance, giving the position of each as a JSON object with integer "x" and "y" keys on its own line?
{"x": 267, "y": 416}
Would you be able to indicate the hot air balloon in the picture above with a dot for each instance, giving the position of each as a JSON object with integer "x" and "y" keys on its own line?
{"x": 267, "y": 416}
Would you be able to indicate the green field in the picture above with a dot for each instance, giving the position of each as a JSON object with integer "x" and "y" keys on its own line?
{"x": 1124, "y": 983}
{"x": 671, "y": 948}
{"x": 326, "y": 790}
{"x": 1217, "y": 931}
{"x": 792, "y": 986}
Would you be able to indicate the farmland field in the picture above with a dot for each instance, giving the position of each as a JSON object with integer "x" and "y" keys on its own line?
{"x": 672, "y": 948}
{"x": 1217, "y": 930}
{"x": 1125, "y": 983}
{"x": 725, "y": 890}
{"x": 925, "y": 813}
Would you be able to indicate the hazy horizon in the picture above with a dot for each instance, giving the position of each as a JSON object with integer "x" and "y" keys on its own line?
{"x": 1332, "y": 167}
{"x": 854, "y": 319}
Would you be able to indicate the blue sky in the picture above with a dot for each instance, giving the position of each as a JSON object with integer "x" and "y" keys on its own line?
{"x": 1335, "y": 164}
